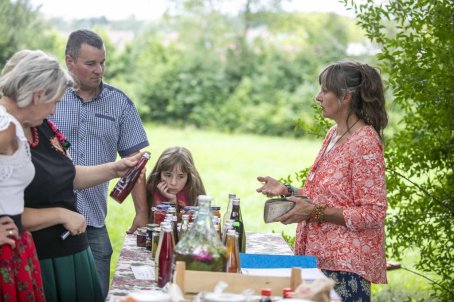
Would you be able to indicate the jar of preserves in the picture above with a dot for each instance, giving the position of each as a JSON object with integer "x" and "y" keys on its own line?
{"x": 216, "y": 211}
{"x": 159, "y": 213}
{"x": 141, "y": 237}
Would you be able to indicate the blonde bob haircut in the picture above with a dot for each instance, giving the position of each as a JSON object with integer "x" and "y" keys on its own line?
{"x": 29, "y": 71}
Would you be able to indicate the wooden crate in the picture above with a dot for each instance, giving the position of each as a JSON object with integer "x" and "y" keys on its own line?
{"x": 193, "y": 282}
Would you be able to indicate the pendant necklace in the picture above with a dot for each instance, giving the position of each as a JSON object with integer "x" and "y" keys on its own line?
{"x": 312, "y": 174}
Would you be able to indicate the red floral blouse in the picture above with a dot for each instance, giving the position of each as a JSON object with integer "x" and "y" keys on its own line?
{"x": 351, "y": 176}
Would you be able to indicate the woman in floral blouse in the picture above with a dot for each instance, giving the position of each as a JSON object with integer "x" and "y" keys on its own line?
{"x": 341, "y": 221}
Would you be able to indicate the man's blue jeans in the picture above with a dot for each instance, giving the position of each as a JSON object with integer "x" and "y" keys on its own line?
{"x": 102, "y": 252}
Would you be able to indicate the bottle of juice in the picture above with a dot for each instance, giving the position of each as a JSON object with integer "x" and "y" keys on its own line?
{"x": 166, "y": 248}
{"x": 233, "y": 254}
{"x": 127, "y": 182}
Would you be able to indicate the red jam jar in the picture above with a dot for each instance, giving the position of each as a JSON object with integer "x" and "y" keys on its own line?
{"x": 159, "y": 213}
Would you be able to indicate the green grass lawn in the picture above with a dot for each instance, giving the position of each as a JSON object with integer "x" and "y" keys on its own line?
{"x": 230, "y": 164}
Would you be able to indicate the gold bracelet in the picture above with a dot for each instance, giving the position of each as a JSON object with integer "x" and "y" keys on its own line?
{"x": 318, "y": 214}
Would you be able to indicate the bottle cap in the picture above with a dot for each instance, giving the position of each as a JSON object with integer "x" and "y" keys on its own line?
{"x": 204, "y": 198}
{"x": 287, "y": 293}
{"x": 266, "y": 292}
{"x": 146, "y": 155}
{"x": 215, "y": 208}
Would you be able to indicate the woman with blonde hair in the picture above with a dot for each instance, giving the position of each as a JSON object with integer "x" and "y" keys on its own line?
{"x": 31, "y": 84}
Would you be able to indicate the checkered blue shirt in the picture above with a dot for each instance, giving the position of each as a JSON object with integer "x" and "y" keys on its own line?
{"x": 97, "y": 130}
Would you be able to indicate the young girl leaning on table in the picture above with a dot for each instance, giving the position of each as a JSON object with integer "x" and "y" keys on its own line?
{"x": 174, "y": 179}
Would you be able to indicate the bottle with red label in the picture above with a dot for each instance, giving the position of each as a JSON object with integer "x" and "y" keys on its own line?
{"x": 127, "y": 182}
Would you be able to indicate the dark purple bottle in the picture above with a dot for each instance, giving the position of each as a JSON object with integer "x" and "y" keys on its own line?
{"x": 127, "y": 182}
{"x": 165, "y": 260}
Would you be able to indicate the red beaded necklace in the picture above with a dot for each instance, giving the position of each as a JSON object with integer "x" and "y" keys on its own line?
{"x": 35, "y": 137}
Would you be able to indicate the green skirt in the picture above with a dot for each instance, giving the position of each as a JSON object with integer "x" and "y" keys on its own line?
{"x": 71, "y": 278}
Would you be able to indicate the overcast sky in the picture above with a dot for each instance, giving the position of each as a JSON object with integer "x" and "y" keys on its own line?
{"x": 153, "y": 9}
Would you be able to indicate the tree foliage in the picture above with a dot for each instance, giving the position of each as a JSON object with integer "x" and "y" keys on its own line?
{"x": 417, "y": 42}
{"x": 252, "y": 71}
{"x": 21, "y": 27}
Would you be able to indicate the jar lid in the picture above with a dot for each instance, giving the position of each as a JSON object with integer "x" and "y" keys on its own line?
{"x": 162, "y": 206}
{"x": 266, "y": 292}
{"x": 146, "y": 155}
{"x": 142, "y": 231}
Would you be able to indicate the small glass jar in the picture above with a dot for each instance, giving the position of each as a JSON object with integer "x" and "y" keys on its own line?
{"x": 142, "y": 237}
{"x": 216, "y": 211}
{"x": 155, "y": 241}
{"x": 150, "y": 228}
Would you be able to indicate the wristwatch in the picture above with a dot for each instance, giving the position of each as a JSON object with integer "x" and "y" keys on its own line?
{"x": 291, "y": 190}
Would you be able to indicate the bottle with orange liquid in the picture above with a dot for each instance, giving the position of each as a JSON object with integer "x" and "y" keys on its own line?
{"x": 233, "y": 254}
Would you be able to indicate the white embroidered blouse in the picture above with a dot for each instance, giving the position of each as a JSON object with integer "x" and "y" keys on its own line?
{"x": 16, "y": 170}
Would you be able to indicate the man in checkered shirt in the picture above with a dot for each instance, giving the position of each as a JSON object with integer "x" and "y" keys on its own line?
{"x": 99, "y": 121}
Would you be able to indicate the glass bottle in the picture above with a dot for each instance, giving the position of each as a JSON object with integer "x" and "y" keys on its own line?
{"x": 233, "y": 254}
{"x": 238, "y": 225}
{"x": 127, "y": 182}
{"x": 228, "y": 211}
{"x": 155, "y": 243}
{"x": 158, "y": 248}
{"x": 201, "y": 249}
{"x": 228, "y": 226}
{"x": 166, "y": 247}
{"x": 184, "y": 225}
{"x": 266, "y": 295}
{"x": 175, "y": 229}
{"x": 217, "y": 225}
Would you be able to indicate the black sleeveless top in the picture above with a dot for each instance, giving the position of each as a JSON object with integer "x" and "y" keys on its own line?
{"x": 52, "y": 187}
